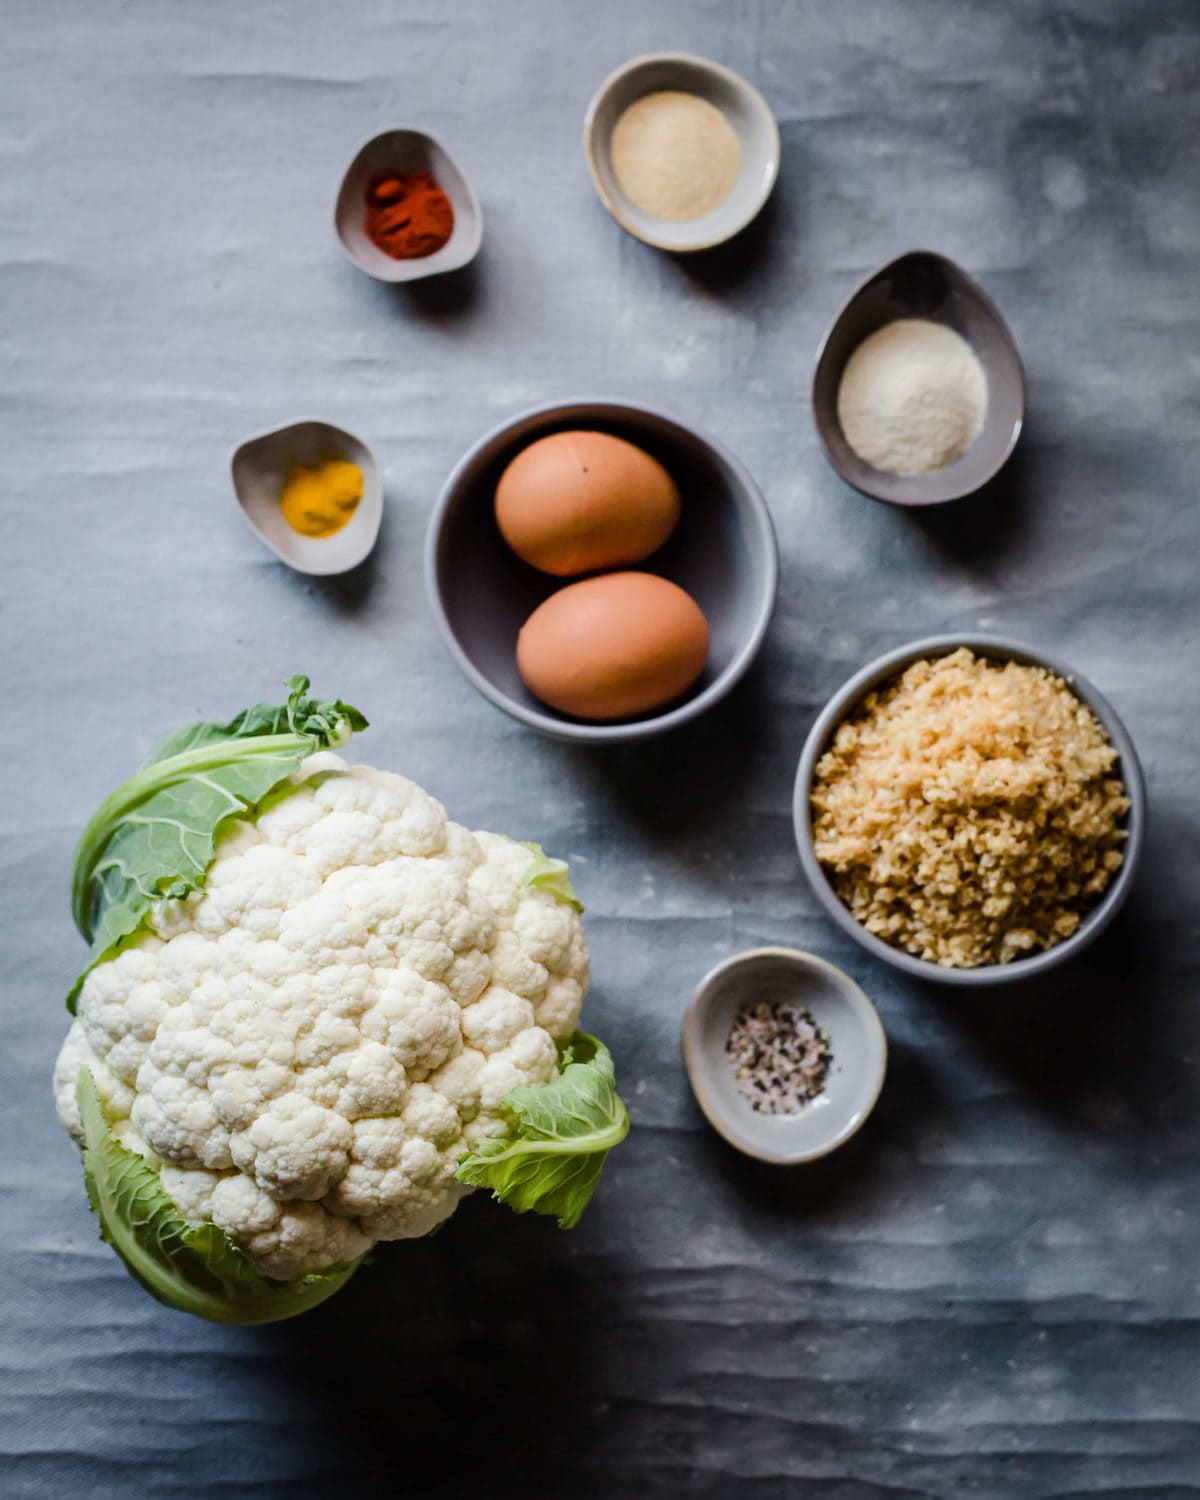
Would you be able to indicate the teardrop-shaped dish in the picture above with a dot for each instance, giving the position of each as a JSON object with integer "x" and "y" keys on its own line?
{"x": 397, "y": 151}
{"x": 260, "y": 469}
{"x": 923, "y": 284}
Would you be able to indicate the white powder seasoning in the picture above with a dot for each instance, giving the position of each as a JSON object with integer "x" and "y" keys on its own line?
{"x": 913, "y": 397}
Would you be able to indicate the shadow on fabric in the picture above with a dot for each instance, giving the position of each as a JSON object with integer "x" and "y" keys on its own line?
{"x": 695, "y": 776}
{"x": 456, "y": 1364}
{"x": 1087, "y": 1043}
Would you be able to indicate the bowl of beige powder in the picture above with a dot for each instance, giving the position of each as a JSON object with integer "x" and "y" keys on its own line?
{"x": 918, "y": 394}
{"x": 682, "y": 151}
{"x": 970, "y": 811}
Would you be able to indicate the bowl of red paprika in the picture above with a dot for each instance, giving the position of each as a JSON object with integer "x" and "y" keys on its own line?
{"x": 406, "y": 210}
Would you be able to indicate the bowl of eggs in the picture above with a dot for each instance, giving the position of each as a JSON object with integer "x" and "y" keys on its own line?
{"x": 600, "y": 571}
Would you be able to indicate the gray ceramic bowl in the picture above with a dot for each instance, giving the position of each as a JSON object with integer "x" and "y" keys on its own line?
{"x": 722, "y": 552}
{"x": 857, "y": 1044}
{"x": 747, "y": 113}
{"x": 406, "y": 151}
{"x": 923, "y": 285}
{"x": 1129, "y": 768}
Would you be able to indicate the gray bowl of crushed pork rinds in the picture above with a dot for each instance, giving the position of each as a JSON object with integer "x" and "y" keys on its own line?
{"x": 970, "y": 811}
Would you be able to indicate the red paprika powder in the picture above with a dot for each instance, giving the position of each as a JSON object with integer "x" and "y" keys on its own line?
{"x": 408, "y": 215}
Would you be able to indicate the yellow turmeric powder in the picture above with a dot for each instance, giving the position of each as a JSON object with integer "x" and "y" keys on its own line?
{"x": 318, "y": 502}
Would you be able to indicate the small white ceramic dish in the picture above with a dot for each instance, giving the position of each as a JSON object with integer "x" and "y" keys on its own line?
{"x": 741, "y": 104}
{"x": 406, "y": 151}
{"x": 260, "y": 468}
{"x": 856, "y": 1038}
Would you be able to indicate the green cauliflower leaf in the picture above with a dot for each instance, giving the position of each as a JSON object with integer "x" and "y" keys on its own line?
{"x": 155, "y": 837}
{"x": 195, "y": 1268}
{"x": 546, "y": 874}
{"x": 562, "y": 1133}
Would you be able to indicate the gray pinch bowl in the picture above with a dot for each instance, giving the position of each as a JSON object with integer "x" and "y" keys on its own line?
{"x": 260, "y": 467}
{"x": 723, "y": 553}
{"x": 923, "y": 284}
{"x": 1129, "y": 768}
{"x": 747, "y": 113}
{"x": 406, "y": 151}
{"x": 858, "y": 1047}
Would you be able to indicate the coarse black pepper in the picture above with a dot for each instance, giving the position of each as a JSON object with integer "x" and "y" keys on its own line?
{"x": 780, "y": 1056}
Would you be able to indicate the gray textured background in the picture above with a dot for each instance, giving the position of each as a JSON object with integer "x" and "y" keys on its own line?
{"x": 995, "y": 1291}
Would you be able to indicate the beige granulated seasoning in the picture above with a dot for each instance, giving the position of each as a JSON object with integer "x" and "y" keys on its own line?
{"x": 675, "y": 155}
{"x": 968, "y": 812}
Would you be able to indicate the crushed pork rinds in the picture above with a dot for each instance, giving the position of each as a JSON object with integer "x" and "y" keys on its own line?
{"x": 969, "y": 812}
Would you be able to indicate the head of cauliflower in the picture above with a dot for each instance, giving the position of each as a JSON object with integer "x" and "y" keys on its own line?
{"x": 305, "y": 1049}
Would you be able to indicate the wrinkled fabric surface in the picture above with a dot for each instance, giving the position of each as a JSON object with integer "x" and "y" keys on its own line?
{"x": 993, "y": 1291}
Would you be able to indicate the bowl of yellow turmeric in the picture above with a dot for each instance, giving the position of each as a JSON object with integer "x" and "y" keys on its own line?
{"x": 311, "y": 492}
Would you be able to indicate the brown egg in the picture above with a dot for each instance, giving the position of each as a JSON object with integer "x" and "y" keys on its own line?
{"x": 579, "y": 501}
{"x": 614, "y": 646}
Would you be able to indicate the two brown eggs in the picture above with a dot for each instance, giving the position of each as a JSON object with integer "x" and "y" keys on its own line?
{"x": 617, "y": 643}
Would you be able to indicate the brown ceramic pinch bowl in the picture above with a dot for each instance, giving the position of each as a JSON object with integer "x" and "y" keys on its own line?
{"x": 923, "y": 284}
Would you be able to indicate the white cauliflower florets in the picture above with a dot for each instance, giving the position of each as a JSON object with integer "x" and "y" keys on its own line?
{"x": 306, "y": 1049}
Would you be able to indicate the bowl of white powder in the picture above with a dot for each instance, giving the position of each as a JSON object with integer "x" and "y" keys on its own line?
{"x": 682, "y": 151}
{"x": 918, "y": 394}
